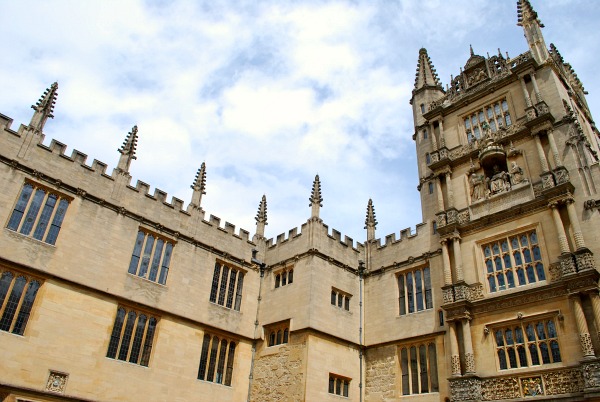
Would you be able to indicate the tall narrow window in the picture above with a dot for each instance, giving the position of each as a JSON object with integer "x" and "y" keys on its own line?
{"x": 131, "y": 337}
{"x": 39, "y": 213}
{"x": 17, "y": 295}
{"x": 216, "y": 360}
{"x": 414, "y": 291}
{"x": 418, "y": 364}
{"x": 151, "y": 257}
{"x": 226, "y": 289}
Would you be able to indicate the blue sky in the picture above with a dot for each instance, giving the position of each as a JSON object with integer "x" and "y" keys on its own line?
{"x": 267, "y": 93}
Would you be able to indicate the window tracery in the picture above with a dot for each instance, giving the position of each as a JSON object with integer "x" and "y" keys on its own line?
{"x": 227, "y": 284}
{"x": 17, "y": 295}
{"x": 495, "y": 116}
{"x": 151, "y": 257}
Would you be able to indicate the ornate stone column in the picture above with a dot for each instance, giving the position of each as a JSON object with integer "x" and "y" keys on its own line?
{"x": 440, "y": 195}
{"x": 454, "y": 356}
{"x": 541, "y": 153}
{"x": 449, "y": 189}
{"x": 434, "y": 142}
{"x": 446, "y": 259}
{"x": 538, "y": 95}
{"x": 468, "y": 345}
{"x": 458, "y": 270}
{"x": 596, "y": 307}
{"x": 525, "y": 92}
{"x": 554, "y": 148}
{"x": 560, "y": 229}
{"x": 584, "y": 334}
{"x": 577, "y": 234}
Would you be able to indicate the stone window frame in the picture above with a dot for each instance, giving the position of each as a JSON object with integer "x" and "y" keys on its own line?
{"x": 147, "y": 264}
{"x": 340, "y": 299}
{"x": 339, "y": 385}
{"x": 227, "y": 285}
{"x": 283, "y": 277}
{"x": 18, "y": 292}
{"x": 33, "y": 215}
{"x": 513, "y": 349}
{"x": 217, "y": 358}
{"x": 484, "y": 262}
{"x": 496, "y": 114}
{"x": 419, "y": 369}
{"x": 403, "y": 278}
{"x": 132, "y": 343}
{"x": 277, "y": 333}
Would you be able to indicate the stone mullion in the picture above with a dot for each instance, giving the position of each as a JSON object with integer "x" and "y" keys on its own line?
{"x": 525, "y": 92}
{"x": 560, "y": 229}
{"x": 20, "y": 303}
{"x": 454, "y": 354}
{"x": 584, "y": 334}
{"x": 577, "y": 233}
{"x": 468, "y": 346}
{"x": 541, "y": 153}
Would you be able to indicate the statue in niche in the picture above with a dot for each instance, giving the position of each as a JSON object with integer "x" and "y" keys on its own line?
{"x": 478, "y": 188}
{"x": 516, "y": 174}
{"x": 499, "y": 182}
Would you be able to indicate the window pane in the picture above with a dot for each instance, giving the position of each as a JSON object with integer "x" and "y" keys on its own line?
{"x": 156, "y": 260}
{"x": 135, "y": 257}
{"x": 539, "y": 268}
{"x": 555, "y": 352}
{"x": 231, "y": 289}
{"x": 127, "y": 333}
{"x": 204, "y": 357}
{"x": 146, "y": 256}
{"x": 238, "y": 293}
{"x": 409, "y": 291}
{"x": 116, "y": 334}
{"x": 545, "y": 354}
{"x": 28, "y": 300}
{"x": 402, "y": 298}
{"x": 419, "y": 290}
{"x": 42, "y": 225}
{"x": 427, "y": 280}
{"x": 283, "y": 278}
{"x": 230, "y": 357}
{"x": 215, "y": 283}
{"x": 5, "y": 282}
{"x": 221, "y": 365}
{"x": 32, "y": 212}
{"x": 224, "y": 276}
{"x": 57, "y": 221}
{"x": 213, "y": 359}
{"x": 12, "y": 303}
{"x": 291, "y": 277}
{"x": 512, "y": 357}
{"x": 535, "y": 360}
{"x": 433, "y": 368}
{"x": 164, "y": 270}
{"x": 148, "y": 342}
{"x": 277, "y": 279}
{"x": 522, "y": 356}
{"x": 502, "y": 359}
{"x": 423, "y": 366}
{"x": 414, "y": 370}
{"x": 136, "y": 346}
{"x": 19, "y": 210}
{"x": 404, "y": 368}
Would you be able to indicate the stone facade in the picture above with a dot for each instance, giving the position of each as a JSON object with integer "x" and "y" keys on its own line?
{"x": 109, "y": 291}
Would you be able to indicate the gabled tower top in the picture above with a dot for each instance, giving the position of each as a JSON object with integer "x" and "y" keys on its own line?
{"x": 44, "y": 108}
{"x": 532, "y": 28}
{"x": 127, "y": 150}
{"x": 315, "y": 198}
{"x": 426, "y": 75}
{"x": 370, "y": 221}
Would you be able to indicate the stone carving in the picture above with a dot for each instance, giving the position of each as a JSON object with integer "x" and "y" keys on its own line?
{"x": 500, "y": 388}
{"x": 475, "y": 292}
{"x": 516, "y": 174}
{"x": 591, "y": 374}
{"x": 499, "y": 182}
{"x": 448, "y": 295}
{"x": 441, "y": 220}
{"x": 561, "y": 175}
{"x": 586, "y": 344}
{"x": 532, "y": 386}
{"x": 463, "y": 217}
{"x": 563, "y": 382}
{"x": 455, "y": 363}
{"x": 461, "y": 292}
{"x": 57, "y": 381}
{"x": 555, "y": 272}
{"x": 478, "y": 187}
{"x": 452, "y": 216}
{"x": 584, "y": 261}
{"x": 547, "y": 181}
{"x": 465, "y": 389}
{"x": 537, "y": 189}
{"x": 567, "y": 264}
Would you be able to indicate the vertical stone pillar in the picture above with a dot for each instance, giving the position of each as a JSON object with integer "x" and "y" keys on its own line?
{"x": 458, "y": 270}
{"x": 560, "y": 229}
{"x": 446, "y": 260}
{"x": 541, "y": 153}
{"x": 454, "y": 356}
{"x": 577, "y": 234}
{"x": 584, "y": 334}
{"x": 538, "y": 95}
{"x": 525, "y": 93}
{"x": 440, "y": 195}
{"x": 554, "y": 148}
{"x": 596, "y": 307}
{"x": 449, "y": 189}
{"x": 468, "y": 345}
{"x": 434, "y": 141}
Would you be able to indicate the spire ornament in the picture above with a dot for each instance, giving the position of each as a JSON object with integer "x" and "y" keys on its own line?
{"x": 370, "y": 221}
{"x": 426, "y": 75}
{"x": 315, "y": 197}
{"x": 532, "y": 29}
{"x": 44, "y": 108}
{"x": 261, "y": 217}
{"x": 199, "y": 186}
{"x": 127, "y": 150}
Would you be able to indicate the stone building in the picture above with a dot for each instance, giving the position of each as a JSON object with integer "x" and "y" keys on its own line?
{"x": 111, "y": 292}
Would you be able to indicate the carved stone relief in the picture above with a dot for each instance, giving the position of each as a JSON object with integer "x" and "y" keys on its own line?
{"x": 57, "y": 381}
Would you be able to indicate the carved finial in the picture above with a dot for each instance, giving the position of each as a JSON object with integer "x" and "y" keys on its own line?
{"x": 44, "y": 108}
{"x": 127, "y": 150}
{"x": 199, "y": 186}
{"x": 526, "y": 13}
{"x": 426, "y": 74}
{"x": 532, "y": 29}
{"x": 315, "y": 197}
{"x": 471, "y": 50}
{"x": 261, "y": 217}
{"x": 370, "y": 221}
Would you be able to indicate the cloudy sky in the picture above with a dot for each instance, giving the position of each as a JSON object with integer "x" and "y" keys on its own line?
{"x": 268, "y": 93}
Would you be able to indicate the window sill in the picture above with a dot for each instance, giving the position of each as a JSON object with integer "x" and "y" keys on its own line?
{"x": 343, "y": 310}
{"x": 532, "y": 369}
{"x": 126, "y": 363}
{"x": 29, "y": 238}
{"x": 224, "y": 308}
{"x": 215, "y": 383}
{"x": 517, "y": 289}
{"x": 147, "y": 280}
{"x": 427, "y": 310}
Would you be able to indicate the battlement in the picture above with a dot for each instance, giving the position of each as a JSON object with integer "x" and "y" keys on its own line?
{"x": 52, "y": 164}
{"x": 409, "y": 244}
{"x": 281, "y": 239}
